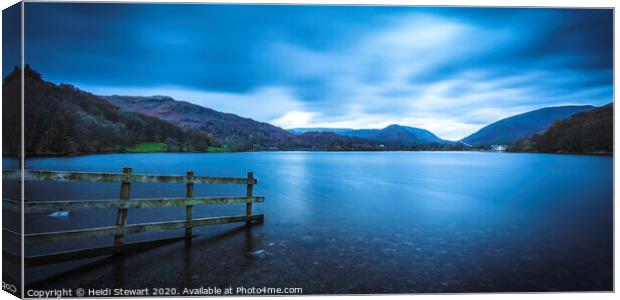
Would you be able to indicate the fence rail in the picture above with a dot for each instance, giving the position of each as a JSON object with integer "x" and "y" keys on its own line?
{"x": 64, "y": 176}
{"x": 62, "y": 236}
{"x": 51, "y": 206}
{"x": 122, "y": 205}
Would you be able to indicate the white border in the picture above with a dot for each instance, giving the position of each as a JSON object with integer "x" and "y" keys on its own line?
{"x": 502, "y": 3}
{"x": 492, "y": 3}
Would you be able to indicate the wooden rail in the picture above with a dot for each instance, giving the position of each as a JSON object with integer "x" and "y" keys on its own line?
{"x": 122, "y": 204}
{"x": 51, "y": 206}
{"x": 39, "y": 175}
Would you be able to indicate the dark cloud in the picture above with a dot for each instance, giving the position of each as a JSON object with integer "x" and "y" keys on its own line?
{"x": 336, "y": 65}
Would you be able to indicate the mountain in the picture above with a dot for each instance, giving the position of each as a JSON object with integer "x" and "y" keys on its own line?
{"x": 508, "y": 130}
{"x": 585, "y": 132}
{"x": 232, "y": 131}
{"x": 393, "y": 134}
{"x": 397, "y": 134}
{"x": 318, "y": 129}
{"x": 314, "y": 140}
{"x": 61, "y": 119}
{"x": 237, "y": 133}
{"x": 242, "y": 134}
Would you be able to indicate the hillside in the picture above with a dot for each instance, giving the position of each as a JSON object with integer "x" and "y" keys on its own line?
{"x": 313, "y": 140}
{"x": 232, "y": 131}
{"x": 393, "y": 134}
{"x": 508, "y": 130}
{"x": 244, "y": 134}
{"x": 11, "y": 114}
{"x": 585, "y": 132}
{"x": 61, "y": 119}
{"x": 397, "y": 134}
{"x": 317, "y": 129}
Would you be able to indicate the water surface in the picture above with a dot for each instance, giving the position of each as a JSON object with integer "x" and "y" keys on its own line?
{"x": 359, "y": 222}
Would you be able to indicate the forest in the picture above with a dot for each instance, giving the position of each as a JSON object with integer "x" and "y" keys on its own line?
{"x": 585, "y": 132}
{"x": 61, "y": 119}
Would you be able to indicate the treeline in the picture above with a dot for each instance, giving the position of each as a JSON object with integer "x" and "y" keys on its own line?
{"x": 585, "y": 132}
{"x": 331, "y": 141}
{"x": 245, "y": 135}
{"x": 229, "y": 130}
{"x": 61, "y": 119}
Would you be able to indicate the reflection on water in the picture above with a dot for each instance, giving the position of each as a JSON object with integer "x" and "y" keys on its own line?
{"x": 359, "y": 222}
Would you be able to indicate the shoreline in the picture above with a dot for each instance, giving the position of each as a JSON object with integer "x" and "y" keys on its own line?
{"x": 298, "y": 150}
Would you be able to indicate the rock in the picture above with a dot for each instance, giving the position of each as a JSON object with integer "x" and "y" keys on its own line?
{"x": 60, "y": 214}
{"x": 257, "y": 255}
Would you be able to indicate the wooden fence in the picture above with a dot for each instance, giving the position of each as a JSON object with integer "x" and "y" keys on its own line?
{"x": 126, "y": 178}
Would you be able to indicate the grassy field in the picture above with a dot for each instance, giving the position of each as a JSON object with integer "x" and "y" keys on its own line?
{"x": 149, "y": 147}
{"x": 218, "y": 149}
{"x": 161, "y": 147}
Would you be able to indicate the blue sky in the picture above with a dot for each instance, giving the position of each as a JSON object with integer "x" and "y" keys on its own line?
{"x": 448, "y": 70}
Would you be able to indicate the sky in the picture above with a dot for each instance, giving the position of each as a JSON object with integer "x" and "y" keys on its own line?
{"x": 449, "y": 70}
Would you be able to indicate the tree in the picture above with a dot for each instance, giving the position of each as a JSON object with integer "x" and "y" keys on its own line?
{"x": 171, "y": 144}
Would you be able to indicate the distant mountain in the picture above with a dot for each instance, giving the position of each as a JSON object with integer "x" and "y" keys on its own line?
{"x": 318, "y": 129}
{"x": 230, "y": 130}
{"x": 589, "y": 131}
{"x": 393, "y": 134}
{"x": 508, "y": 130}
{"x": 241, "y": 134}
{"x": 397, "y": 134}
{"x": 61, "y": 119}
{"x": 314, "y": 140}
{"x": 238, "y": 133}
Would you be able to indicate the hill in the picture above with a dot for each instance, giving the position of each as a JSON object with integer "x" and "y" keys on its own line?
{"x": 585, "y": 132}
{"x": 230, "y": 130}
{"x": 508, "y": 130}
{"x": 330, "y": 141}
{"x": 397, "y": 134}
{"x": 61, "y": 119}
{"x": 318, "y": 129}
{"x": 244, "y": 134}
{"x": 393, "y": 134}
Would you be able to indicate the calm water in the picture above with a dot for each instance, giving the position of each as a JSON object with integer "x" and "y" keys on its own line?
{"x": 359, "y": 222}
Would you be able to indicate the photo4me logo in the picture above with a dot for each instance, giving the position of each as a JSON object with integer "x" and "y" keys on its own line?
{"x": 241, "y": 290}
{"x": 267, "y": 291}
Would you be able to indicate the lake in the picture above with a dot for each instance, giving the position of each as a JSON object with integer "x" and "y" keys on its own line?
{"x": 358, "y": 222}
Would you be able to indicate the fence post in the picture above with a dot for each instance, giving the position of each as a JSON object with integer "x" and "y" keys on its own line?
{"x": 248, "y": 205}
{"x": 121, "y": 218}
{"x": 188, "y": 209}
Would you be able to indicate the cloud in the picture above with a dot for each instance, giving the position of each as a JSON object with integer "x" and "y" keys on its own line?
{"x": 449, "y": 70}
{"x": 265, "y": 104}
{"x": 373, "y": 82}
{"x": 294, "y": 119}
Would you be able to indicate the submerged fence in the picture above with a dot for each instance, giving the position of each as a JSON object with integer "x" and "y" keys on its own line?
{"x": 123, "y": 203}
